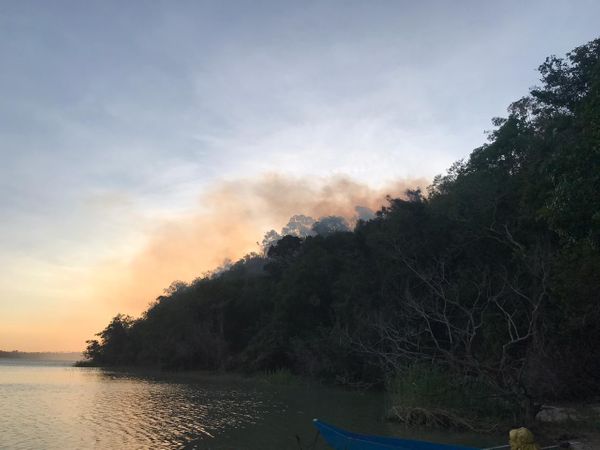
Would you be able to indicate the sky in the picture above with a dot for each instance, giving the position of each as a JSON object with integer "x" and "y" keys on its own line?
{"x": 143, "y": 142}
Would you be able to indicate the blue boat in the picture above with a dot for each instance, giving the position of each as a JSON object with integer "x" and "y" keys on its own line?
{"x": 340, "y": 439}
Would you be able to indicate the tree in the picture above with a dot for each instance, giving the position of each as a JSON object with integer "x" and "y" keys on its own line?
{"x": 330, "y": 224}
{"x": 299, "y": 226}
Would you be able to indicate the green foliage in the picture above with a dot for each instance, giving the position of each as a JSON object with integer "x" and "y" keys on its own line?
{"x": 280, "y": 377}
{"x": 115, "y": 344}
{"x": 493, "y": 276}
{"x": 433, "y": 387}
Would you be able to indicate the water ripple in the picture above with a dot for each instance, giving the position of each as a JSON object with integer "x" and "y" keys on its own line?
{"x": 54, "y": 407}
{"x": 59, "y": 407}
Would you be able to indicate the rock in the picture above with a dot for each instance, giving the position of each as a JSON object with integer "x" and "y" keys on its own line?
{"x": 554, "y": 414}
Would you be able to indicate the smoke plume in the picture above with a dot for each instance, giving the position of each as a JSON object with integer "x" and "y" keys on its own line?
{"x": 229, "y": 222}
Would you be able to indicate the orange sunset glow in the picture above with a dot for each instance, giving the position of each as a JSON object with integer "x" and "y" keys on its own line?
{"x": 226, "y": 223}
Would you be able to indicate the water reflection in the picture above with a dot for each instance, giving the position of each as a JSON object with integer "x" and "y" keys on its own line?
{"x": 58, "y": 407}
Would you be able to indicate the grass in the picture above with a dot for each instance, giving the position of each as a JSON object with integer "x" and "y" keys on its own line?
{"x": 425, "y": 394}
{"x": 281, "y": 377}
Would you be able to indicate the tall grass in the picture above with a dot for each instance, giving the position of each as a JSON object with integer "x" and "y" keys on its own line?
{"x": 282, "y": 377}
{"x": 432, "y": 395}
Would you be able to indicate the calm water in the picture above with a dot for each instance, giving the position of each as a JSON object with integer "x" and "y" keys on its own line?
{"x": 50, "y": 405}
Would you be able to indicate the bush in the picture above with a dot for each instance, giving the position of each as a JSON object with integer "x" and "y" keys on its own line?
{"x": 432, "y": 395}
{"x": 283, "y": 377}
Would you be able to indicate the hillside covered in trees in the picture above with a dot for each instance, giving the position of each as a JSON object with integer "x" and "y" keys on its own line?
{"x": 492, "y": 274}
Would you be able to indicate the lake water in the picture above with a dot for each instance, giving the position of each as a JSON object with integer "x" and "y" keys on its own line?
{"x": 50, "y": 405}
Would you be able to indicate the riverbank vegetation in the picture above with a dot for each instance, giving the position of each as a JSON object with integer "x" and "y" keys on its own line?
{"x": 489, "y": 278}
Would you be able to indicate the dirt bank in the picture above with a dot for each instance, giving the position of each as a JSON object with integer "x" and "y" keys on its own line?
{"x": 577, "y": 423}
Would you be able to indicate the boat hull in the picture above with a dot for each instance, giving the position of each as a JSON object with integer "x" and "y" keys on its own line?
{"x": 340, "y": 439}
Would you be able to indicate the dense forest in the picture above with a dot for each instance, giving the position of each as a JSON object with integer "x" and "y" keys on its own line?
{"x": 491, "y": 274}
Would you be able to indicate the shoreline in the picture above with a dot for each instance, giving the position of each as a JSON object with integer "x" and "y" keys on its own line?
{"x": 583, "y": 431}
{"x": 581, "y": 428}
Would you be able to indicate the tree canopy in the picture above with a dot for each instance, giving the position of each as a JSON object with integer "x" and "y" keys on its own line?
{"x": 493, "y": 274}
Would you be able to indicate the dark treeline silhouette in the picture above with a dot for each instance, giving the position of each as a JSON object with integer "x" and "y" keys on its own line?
{"x": 53, "y": 356}
{"x": 492, "y": 274}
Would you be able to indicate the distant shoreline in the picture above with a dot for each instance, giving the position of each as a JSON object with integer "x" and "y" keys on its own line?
{"x": 50, "y": 356}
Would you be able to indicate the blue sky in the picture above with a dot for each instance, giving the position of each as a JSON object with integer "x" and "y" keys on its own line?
{"x": 117, "y": 115}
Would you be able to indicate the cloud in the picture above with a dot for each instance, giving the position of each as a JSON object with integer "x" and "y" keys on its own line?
{"x": 229, "y": 221}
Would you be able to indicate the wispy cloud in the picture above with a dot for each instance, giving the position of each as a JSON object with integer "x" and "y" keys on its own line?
{"x": 116, "y": 116}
